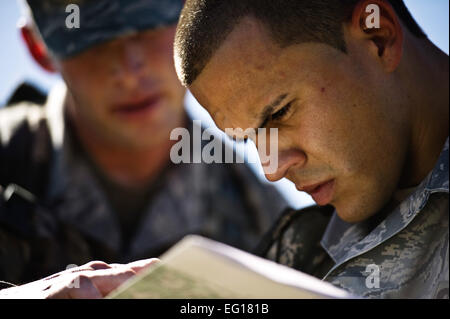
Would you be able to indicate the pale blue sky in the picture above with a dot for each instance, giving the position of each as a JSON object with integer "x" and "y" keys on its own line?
{"x": 16, "y": 65}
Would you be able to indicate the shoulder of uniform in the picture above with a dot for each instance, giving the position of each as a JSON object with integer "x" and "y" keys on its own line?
{"x": 305, "y": 222}
{"x": 27, "y": 91}
{"x": 21, "y": 116}
{"x": 309, "y": 217}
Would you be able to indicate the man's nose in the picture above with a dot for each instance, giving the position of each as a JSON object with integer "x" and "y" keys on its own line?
{"x": 286, "y": 160}
{"x": 133, "y": 56}
{"x": 130, "y": 64}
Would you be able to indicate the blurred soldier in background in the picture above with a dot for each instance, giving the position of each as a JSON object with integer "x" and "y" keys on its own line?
{"x": 88, "y": 176}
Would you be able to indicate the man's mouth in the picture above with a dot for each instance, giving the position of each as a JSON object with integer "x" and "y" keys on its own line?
{"x": 137, "y": 107}
{"x": 322, "y": 193}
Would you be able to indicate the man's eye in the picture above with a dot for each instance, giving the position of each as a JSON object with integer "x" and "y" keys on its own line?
{"x": 282, "y": 112}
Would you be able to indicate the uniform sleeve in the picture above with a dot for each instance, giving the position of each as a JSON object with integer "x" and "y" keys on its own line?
{"x": 19, "y": 127}
{"x": 294, "y": 240}
{"x": 14, "y": 255}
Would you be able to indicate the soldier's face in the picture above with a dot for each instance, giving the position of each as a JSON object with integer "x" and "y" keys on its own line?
{"x": 126, "y": 90}
{"x": 340, "y": 137}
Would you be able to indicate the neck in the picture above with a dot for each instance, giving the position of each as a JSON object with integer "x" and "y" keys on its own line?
{"x": 428, "y": 97}
{"x": 133, "y": 168}
{"x": 128, "y": 166}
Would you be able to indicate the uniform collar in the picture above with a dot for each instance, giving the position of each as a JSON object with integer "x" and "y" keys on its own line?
{"x": 344, "y": 241}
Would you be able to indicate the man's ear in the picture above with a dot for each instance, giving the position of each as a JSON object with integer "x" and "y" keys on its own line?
{"x": 377, "y": 22}
{"x": 36, "y": 48}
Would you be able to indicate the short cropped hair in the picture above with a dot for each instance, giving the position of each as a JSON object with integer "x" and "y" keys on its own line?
{"x": 205, "y": 24}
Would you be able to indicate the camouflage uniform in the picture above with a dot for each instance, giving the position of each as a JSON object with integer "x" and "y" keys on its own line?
{"x": 401, "y": 252}
{"x": 73, "y": 222}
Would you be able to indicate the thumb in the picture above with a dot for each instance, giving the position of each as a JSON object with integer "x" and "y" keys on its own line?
{"x": 140, "y": 265}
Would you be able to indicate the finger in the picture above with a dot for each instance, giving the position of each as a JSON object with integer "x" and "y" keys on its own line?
{"x": 96, "y": 265}
{"x": 87, "y": 290}
{"x": 92, "y": 265}
{"x": 140, "y": 265}
{"x": 108, "y": 280}
{"x": 80, "y": 288}
{"x": 94, "y": 279}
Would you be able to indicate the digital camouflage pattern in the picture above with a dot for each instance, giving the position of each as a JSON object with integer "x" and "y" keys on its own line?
{"x": 399, "y": 253}
{"x": 74, "y": 222}
{"x": 100, "y": 21}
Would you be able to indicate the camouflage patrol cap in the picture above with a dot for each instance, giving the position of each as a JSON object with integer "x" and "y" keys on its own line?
{"x": 99, "y": 21}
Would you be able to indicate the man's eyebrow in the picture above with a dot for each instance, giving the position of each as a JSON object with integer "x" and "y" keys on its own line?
{"x": 268, "y": 109}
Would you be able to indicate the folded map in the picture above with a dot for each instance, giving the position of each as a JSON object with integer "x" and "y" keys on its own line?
{"x": 200, "y": 268}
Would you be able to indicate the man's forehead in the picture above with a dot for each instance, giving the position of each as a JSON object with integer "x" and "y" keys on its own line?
{"x": 228, "y": 113}
{"x": 249, "y": 72}
{"x": 237, "y": 79}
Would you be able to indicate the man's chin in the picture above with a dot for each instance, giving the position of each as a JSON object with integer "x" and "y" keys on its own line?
{"x": 351, "y": 219}
{"x": 132, "y": 140}
{"x": 141, "y": 143}
{"x": 353, "y": 215}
